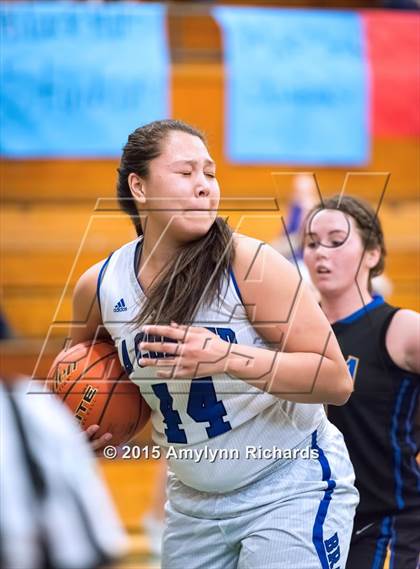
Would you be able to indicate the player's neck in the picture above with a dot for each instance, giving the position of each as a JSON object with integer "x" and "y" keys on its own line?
{"x": 157, "y": 252}
{"x": 337, "y": 306}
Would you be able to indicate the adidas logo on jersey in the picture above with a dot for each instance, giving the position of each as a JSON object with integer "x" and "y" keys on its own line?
{"x": 120, "y": 306}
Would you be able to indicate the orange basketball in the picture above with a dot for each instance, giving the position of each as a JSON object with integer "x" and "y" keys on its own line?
{"x": 90, "y": 380}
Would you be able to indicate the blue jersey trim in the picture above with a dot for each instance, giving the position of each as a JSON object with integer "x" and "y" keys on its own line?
{"x": 235, "y": 284}
{"x": 99, "y": 282}
{"x": 136, "y": 263}
{"x": 317, "y": 532}
{"x": 377, "y": 301}
{"x": 382, "y": 543}
{"x": 409, "y": 430}
{"x": 392, "y": 543}
{"x": 395, "y": 444}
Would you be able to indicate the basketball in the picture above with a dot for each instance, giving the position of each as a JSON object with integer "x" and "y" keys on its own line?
{"x": 90, "y": 380}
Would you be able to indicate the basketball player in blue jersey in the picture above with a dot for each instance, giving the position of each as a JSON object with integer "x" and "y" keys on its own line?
{"x": 235, "y": 359}
{"x": 343, "y": 250}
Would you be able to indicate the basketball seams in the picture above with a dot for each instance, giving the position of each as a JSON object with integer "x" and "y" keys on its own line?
{"x": 68, "y": 353}
{"x": 70, "y": 389}
{"x": 88, "y": 345}
{"x": 105, "y": 407}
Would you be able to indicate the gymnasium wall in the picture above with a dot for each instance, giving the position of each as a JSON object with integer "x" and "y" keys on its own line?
{"x": 59, "y": 216}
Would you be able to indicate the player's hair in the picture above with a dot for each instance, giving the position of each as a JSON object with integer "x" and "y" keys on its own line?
{"x": 195, "y": 275}
{"x": 367, "y": 223}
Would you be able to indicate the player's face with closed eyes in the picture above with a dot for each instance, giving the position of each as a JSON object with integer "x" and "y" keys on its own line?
{"x": 333, "y": 250}
{"x": 182, "y": 189}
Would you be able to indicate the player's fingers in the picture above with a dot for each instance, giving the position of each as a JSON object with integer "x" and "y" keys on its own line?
{"x": 147, "y": 362}
{"x": 164, "y": 374}
{"x": 179, "y": 326}
{"x": 98, "y": 444}
{"x": 167, "y": 331}
{"x": 162, "y": 347}
{"x": 90, "y": 431}
{"x": 164, "y": 362}
{"x": 168, "y": 362}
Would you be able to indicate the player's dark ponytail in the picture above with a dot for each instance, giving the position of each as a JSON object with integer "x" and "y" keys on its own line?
{"x": 195, "y": 276}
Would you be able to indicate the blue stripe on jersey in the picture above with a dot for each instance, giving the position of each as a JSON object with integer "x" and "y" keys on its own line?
{"x": 136, "y": 262}
{"x": 98, "y": 284}
{"x": 377, "y": 301}
{"x": 235, "y": 284}
{"x": 317, "y": 532}
{"x": 409, "y": 429}
{"x": 395, "y": 444}
{"x": 392, "y": 544}
{"x": 382, "y": 543}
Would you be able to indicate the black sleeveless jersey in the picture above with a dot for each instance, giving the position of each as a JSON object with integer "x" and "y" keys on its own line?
{"x": 378, "y": 421}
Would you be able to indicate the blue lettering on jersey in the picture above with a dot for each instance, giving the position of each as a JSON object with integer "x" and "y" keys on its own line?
{"x": 226, "y": 334}
{"x": 171, "y": 418}
{"x": 128, "y": 366}
{"x": 352, "y": 364}
{"x": 150, "y": 338}
{"x": 203, "y": 405}
{"x": 126, "y": 358}
{"x": 332, "y": 547}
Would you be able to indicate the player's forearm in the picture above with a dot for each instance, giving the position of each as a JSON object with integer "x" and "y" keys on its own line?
{"x": 299, "y": 377}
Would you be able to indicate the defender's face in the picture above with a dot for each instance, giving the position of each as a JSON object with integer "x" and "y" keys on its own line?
{"x": 182, "y": 193}
{"x": 333, "y": 252}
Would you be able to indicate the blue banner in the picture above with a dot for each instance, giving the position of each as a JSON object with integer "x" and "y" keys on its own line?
{"x": 296, "y": 86}
{"x": 77, "y": 78}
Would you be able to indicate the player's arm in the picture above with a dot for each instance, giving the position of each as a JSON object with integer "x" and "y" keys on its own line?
{"x": 87, "y": 325}
{"x": 86, "y": 319}
{"x": 305, "y": 364}
{"x": 403, "y": 340}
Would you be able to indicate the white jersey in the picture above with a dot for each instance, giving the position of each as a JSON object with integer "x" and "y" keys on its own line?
{"x": 204, "y": 425}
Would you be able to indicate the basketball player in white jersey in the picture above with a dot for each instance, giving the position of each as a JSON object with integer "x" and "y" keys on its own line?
{"x": 235, "y": 359}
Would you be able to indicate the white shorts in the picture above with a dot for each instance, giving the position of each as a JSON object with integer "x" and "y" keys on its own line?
{"x": 299, "y": 516}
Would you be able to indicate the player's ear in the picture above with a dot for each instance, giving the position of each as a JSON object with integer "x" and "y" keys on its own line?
{"x": 372, "y": 257}
{"x": 137, "y": 187}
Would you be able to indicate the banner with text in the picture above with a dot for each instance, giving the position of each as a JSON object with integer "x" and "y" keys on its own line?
{"x": 296, "y": 88}
{"x": 78, "y": 78}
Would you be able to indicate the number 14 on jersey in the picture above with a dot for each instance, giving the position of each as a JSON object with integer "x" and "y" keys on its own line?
{"x": 203, "y": 405}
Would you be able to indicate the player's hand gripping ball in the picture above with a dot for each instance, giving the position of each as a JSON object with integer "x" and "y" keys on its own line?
{"x": 91, "y": 382}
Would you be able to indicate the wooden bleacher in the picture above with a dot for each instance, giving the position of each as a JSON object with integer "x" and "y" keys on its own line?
{"x": 39, "y": 272}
